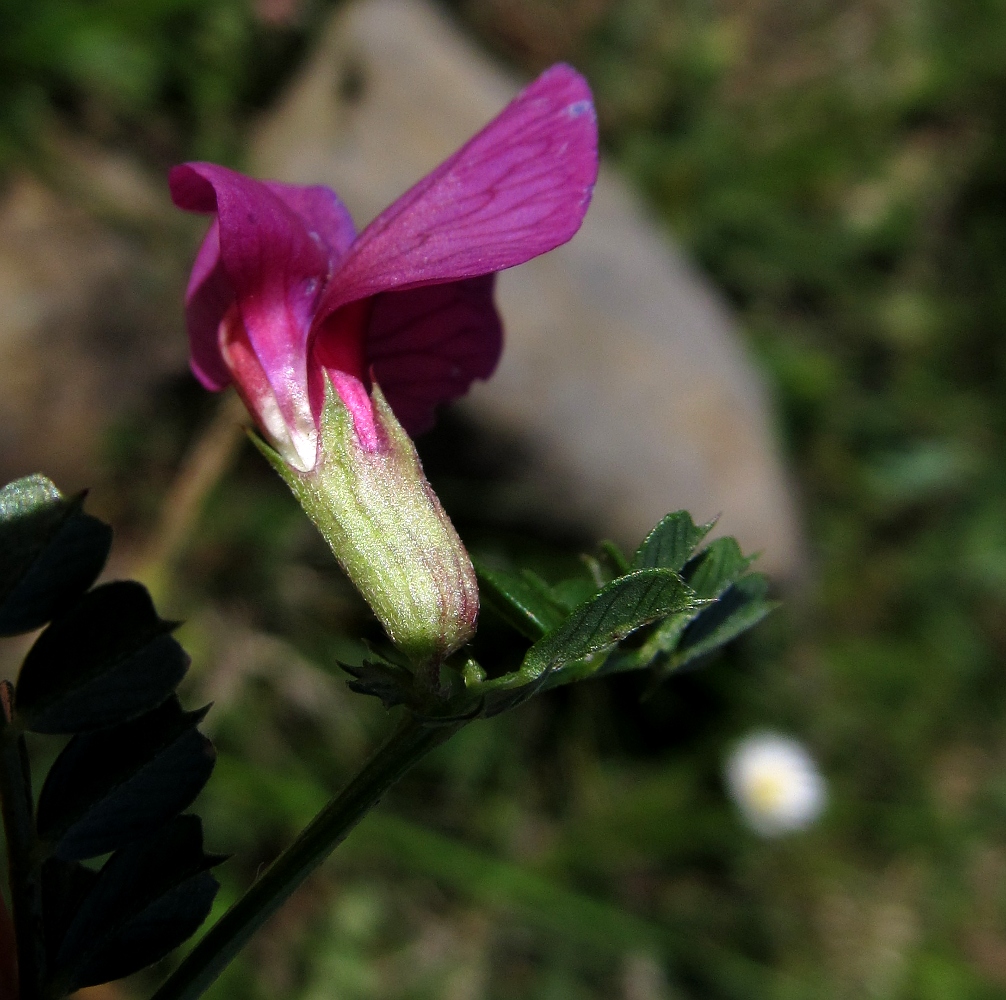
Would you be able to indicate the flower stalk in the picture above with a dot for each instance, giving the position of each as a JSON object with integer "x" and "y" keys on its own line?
{"x": 408, "y": 744}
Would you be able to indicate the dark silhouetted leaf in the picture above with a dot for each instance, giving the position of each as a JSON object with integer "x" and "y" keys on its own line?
{"x": 671, "y": 543}
{"x": 50, "y": 553}
{"x": 64, "y": 886}
{"x": 106, "y": 660}
{"x": 163, "y": 925}
{"x": 523, "y": 601}
{"x": 113, "y": 786}
{"x": 149, "y": 898}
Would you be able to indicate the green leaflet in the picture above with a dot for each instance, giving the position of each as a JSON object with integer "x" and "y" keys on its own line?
{"x": 521, "y": 600}
{"x": 670, "y": 544}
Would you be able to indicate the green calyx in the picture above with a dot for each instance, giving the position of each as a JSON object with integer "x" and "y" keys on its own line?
{"x": 388, "y": 531}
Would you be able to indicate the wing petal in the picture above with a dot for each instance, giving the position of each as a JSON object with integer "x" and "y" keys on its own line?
{"x": 517, "y": 189}
{"x": 426, "y": 345}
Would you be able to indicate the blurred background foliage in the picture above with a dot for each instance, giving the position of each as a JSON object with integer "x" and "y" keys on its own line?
{"x": 162, "y": 76}
{"x": 838, "y": 167}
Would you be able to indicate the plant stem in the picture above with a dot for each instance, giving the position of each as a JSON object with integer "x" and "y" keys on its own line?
{"x": 203, "y": 466}
{"x": 25, "y": 882}
{"x": 412, "y": 741}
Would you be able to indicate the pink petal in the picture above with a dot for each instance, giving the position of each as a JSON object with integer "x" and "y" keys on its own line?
{"x": 338, "y": 352}
{"x": 207, "y": 298}
{"x": 426, "y": 345}
{"x": 517, "y": 189}
{"x": 209, "y": 293}
{"x": 323, "y": 214}
{"x": 275, "y": 267}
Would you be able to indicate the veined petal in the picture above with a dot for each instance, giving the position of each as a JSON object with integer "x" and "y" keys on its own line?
{"x": 426, "y": 345}
{"x": 275, "y": 266}
{"x": 517, "y": 189}
{"x": 209, "y": 294}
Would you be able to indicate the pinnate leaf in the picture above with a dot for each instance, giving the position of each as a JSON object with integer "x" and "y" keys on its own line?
{"x": 50, "y": 553}
{"x": 561, "y": 656}
{"x": 118, "y": 784}
{"x": 624, "y": 605}
{"x": 102, "y": 671}
{"x": 682, "y": 605}
{"x": 148, "y": 898}
{"x": 109, "y": 658}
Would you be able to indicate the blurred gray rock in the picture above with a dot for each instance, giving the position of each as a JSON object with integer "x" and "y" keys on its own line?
{"x": 85, "y": 326}
{"x": 622, "y": 372}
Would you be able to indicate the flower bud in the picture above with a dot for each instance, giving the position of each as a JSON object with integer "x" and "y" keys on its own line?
{"x": 388, "y": 530}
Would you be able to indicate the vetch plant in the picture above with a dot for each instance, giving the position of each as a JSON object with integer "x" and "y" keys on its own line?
{"x": 336, "y": 341}
{"x": 340, "y": 346}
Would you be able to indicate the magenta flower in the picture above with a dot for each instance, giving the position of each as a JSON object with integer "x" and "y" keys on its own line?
{"x": 337, "y": 342}
{"x": 283, "y": 293}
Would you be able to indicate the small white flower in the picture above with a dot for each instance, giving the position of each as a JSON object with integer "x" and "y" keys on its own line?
{"x": 775, "y": 783}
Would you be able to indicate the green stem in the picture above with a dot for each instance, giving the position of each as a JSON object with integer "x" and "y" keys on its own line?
{"x": 18, "y": 820}
{"x": 412, "y": 741}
